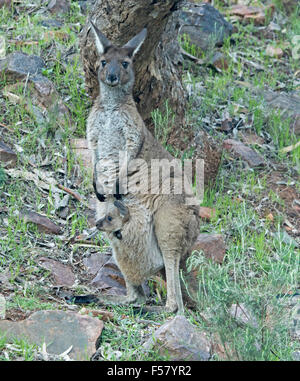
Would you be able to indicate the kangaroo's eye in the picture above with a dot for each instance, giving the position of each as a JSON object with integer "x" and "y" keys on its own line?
{"x": 125, "y": 64}
{"x": 109, "y": 218}
{"x": 103, "y": 62}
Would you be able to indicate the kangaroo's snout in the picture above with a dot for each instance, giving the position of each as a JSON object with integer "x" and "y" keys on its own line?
{"x": 112, "y": 74}
{"x": 99, "y": 224}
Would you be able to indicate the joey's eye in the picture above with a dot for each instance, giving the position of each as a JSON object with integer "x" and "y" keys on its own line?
{"x": 109, "y": 218}
{"x": 125, "y": 64}
{"x": 103, "y": 62}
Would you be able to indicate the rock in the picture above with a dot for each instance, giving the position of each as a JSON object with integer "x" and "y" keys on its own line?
{"x": 43, "y": 223}
{"x": 2, "y": 307}
{"x": 7, "y": 156}
{"x": 104, "y": 314}
{"x": 44, "y": 101}
{"x": 63, "y": 274}
{"x": 296, "y": 356}
{"x": 59, "y": 330}
{"x": 206, "y": 213}
{"x": 251, "y": 14}
{"x": 244, "y": 152}
{"x": 94, "y": 262}
{"x": 289, "y": 104}
{"x": 219, "y": 62}
{"x": 243, "y": 315}
{"x": 109, "y": 279}
{"x": 59, "y": 6}
{"x": 210, "y": 152}
{"x": 273, "y": 51}
{"x": 204, "y": 25}
{"x": 81, "y": 151}
{"x": 212, "y": 245}
{"x": 179, "y": 340}
{"x": 18, "y": 65}
{"x": 289, "y": 5}
{"x": 6, "y": 3}
{"x": 50, "y": 23}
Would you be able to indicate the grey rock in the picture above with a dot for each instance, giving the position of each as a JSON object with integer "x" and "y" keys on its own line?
{"x": 7, "y": 156}
{"x": 62, "y": 274}
{"x": 59, "y": 330}
{"x": 289, "y": 104}
{"x": 205, "y": 26}
{"x": 245, "y": 153}
{"x": 18, "y": 65}
{"x": 43, "y": 223}
{"x": 59, "y": 6}
{"x": 243, "y": 315}
{"x": 180, "y": 341}
{"x": 51, "y": 23}
{"x": 212, "y": 245}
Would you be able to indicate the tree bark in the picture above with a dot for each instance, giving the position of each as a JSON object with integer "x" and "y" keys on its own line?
{"x": 157, "y": 64}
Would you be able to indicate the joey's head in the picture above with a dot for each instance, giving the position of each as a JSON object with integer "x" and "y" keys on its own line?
{"x": 114, "y": 215}
{"x": 116, "y": 69}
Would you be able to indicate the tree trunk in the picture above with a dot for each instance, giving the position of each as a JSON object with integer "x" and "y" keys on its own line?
{"x": 157, "y": 64}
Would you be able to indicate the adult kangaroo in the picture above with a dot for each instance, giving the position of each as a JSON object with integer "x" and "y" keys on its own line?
{"x": 114, "y": 126}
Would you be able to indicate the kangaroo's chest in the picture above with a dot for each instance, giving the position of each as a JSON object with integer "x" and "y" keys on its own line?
{"x": 111, "y": 133}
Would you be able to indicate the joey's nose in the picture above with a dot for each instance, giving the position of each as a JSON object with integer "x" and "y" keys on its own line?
{"x": 99, "y": 224}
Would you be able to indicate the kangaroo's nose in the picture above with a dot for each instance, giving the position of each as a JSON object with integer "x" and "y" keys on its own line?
{"x": 112, "y": 78}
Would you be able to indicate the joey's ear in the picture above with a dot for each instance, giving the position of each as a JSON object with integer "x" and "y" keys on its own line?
{"x": 102, "y": 43}
{"x": 124, "y": 211}
{"x": 136, "y": 42}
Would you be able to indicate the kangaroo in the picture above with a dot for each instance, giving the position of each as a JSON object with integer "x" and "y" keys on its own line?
{"x": 130, "y": 230}
{"x": 115, "y": 125}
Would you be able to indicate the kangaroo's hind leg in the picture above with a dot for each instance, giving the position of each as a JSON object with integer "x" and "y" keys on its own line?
{"x": 170, "y": 231}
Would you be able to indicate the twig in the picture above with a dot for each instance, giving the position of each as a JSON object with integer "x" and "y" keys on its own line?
{"x": 72, "y": 193}
{"x": 6, "y": 127}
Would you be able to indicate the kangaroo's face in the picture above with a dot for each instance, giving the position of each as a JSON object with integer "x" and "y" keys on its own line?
{"x": 116, "y": 63}
{"x": 114, "y": 216}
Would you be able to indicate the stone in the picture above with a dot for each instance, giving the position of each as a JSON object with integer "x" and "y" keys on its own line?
{"x": 43, "y": 223}
{"x": 206, "y": 213}
{"x": 179, "y": 340}
{"x": 219, "y": 62}
{"x": 94, "y": 262}
{"x": 245, "y": 153}
{"x": 6, "y": 3}
{"x": 289, "y": 104}
{"x": 59, "y": 330}
{"x": 18, "y": 65}
{"x": 59, "y": 6}
{"x": 50, "y": 23}
{"x": 62, "y": 274}
{"x": 204, "y": 25}
{"x": 212, "y": 245}
{"x": 7, "y": 156}
{"x": 243, "y": 315}
{"x": 109, "y": 279}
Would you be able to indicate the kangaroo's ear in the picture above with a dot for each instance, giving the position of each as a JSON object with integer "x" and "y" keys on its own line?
{"x": 124, "y": 211}
{"x": 102, "y": 43}
{"x": 136, "y": 42}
